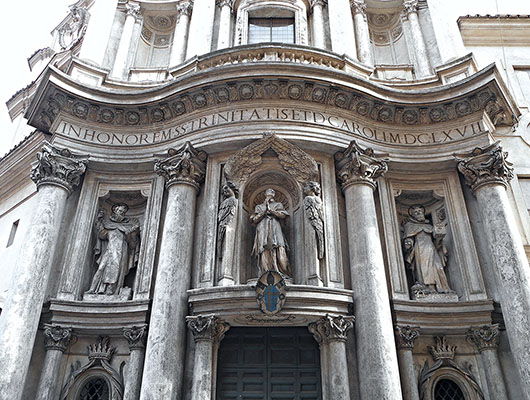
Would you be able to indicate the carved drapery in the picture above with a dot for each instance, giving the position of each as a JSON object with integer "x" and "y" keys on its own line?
{"x": 207, "y": 327}
{"x": 186, "y": 165}
{"x": 331, "y": 328}
{"x": 485, "y": 166}
{"x": 406, "y": 336}
{"x": 56, "y": 166}
{"x": 358, "y": 165}
{"x": 57, "y": 338}
{"x": 136, "y": 336}
{"x": 484, "y": 337}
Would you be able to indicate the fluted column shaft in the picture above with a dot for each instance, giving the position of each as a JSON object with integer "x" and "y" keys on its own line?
{"x": 357, "y": 170}
{"x": 166, "y": 343}
{"x": 133, "y": 378}
{"x": 127, "y": 46}
{"x": 318, "y": 29}
{"x": 225, "y": 24}
{"x": 57, "y": 340}
{"x": 406, "y": 336}
{"x": 180, "y": 38}
{"x": 488, "y": 172}
{"x": 362, "y": 34}
{"x": 56, "y": 173}
{"x": 423, "y": 67}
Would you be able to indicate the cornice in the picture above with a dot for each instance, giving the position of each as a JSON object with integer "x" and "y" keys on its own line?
{"x": 58, "y": 92}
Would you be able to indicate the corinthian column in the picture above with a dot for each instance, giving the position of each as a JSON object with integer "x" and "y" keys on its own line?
{"x": 486, "y": 341}
{"x": 487, "y": 172}
{"x": 331, "y": 333}
{"x": 180, "y": 38}
{"x": 318, "y": 31}
{"x": 357, "y": 171}
{"x": 183, "y": 171}
{"x": 341, "y": 28}
{"x": 56, "y": 173}
{"x": 136, "y": 338}
{"x": 56, "y": 342}
{"x": 362, "y": 34}
{"x": 225, "y": 23}
{"x": 406, "y": 335}
{"x": 410, "y": 11}
{"x": 127, "y": 46}
{"x": 208, "y": 331}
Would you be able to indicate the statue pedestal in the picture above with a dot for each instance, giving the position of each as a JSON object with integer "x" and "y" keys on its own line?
{"x": 123, "y": 295}
{"x": 423, "y": 294}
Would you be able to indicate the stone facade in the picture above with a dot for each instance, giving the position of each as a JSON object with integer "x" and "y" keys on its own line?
{"x": 299, "y": 198}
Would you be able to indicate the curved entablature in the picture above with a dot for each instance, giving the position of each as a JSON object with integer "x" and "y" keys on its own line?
{"x": 301, "y": 101}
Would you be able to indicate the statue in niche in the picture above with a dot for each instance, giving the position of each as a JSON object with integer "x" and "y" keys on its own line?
{"x": 313, "y": 212}
{"x": 227, "y": 211}
{"x": 270, "y": 246}
{"x": 116, "y": 250}
{"x": 425, "y": 253}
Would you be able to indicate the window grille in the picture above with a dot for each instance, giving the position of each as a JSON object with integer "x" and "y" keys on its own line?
{"x": 446, "y": 389}
{"x": 95, "y": 389}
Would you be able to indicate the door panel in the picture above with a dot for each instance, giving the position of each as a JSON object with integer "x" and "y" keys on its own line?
{"x": 268, "y": 364}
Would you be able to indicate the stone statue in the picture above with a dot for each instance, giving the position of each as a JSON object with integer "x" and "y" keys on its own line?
{"x": 313, "y": 212}
{"x": 116, "y": 250}
{"x": 425, "y": 253}
{"x": 75, "y": 28}
{"x": 270, "y": 246}
{"x": 227, "y": 211}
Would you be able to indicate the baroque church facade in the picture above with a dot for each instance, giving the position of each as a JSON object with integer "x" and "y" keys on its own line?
{"x": 269, "y": 199}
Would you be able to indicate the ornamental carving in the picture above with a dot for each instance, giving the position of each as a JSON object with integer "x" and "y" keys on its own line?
{"x": 136, "y": 336}
{"x": 133, "y": 9}
{"x": 410, "y": 6}
{"x": 207, "y": 327}
{"x": 406, "y": 336}
{"x": 56, "y": 166}
{"x": 441, "y": 350}
{"x": 233, "y": 91}
{"x": 184, "y": 8}
{"x": 71, "y": 33}
{"x": 331, "y": 328}
{"x": 186, "y": 165}
{"x": 485, "y": 166}
{"x": 225, "y": 3}
{"x": 300, "y": 165}
{"x": 321, "y": 3}
{"x": 484, "y": 337}
{"x": 358, "y": 165}
{"x": 57, "y": 338}
{"x": 358, "y": 6}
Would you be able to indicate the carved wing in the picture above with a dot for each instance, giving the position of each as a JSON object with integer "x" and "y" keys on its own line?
{"x": 227, "y": 210}
{"x": 295, "y": 161}
{"x": 313, "y": 211}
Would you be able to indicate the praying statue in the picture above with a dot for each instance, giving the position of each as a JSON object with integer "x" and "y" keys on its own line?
{"x": 425, "y": 253}
{"x": 270, "y": 246}
{"x": 117, "y": 248}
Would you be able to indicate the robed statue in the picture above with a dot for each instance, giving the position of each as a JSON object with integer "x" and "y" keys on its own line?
{"x": 116, "y": 251}
{"x": 226, "y": 214}
{"x": 425, "y": 253}
{"x": 313, "y": 212}
{"x": 270, "y": 246}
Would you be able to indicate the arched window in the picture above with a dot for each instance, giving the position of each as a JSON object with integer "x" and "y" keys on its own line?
{"x": 95, "y": 388}
{"x": 446, "y": 389}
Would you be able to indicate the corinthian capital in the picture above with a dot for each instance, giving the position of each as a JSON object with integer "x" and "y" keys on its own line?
{"x": 410, "y": 6}
{"x": 225, "y": 3}
{"x": 58, "y": 167}
{"x": 356, "y": 165}
{"x": 358, "y": 6}
{"x": 321, "y": 3}
{"x": 207, "y": 327}
{"x": 485, "y": 166}
{"x": 183, "y": 166}
{"x": 135, "y": 336}
{"x": 484, "y": 337}
{"x": 184, "y": 8}
{"x": 133, "y": 9}
{"x": 57, "y": 338}
{"x": 406, "y": 335}
{"x": 331, "y": 328}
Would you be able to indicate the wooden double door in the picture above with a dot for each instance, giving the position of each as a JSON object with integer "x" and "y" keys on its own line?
{"x": 268, "y": 364}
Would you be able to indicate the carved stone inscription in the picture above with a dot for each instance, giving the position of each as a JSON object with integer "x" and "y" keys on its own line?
{"x": 391, "y": 136}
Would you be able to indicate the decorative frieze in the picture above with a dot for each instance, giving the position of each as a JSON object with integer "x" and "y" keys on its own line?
{"x": 484, "y": 337}
{"x": 331, "y": 328}
{"x": 186, "y": 165}
{"x": 406, "y": 336}
{"x": 485, "y": 166}
{"x": 358, "y": 165}
{"x": 57, "y": 338}
{"x": 56, "y": 166}
{"x": 207, "y": 327}
{"x": 136, "y": 336}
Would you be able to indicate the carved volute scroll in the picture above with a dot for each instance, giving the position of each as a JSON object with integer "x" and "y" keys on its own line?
{"x": 186, "y": 165}
{"x": 60, "y": 167}
{"x": 358, "y": 165}
{"x": 136, "y": 336}
{"x": 331, "y": 328}
{"x": 300, "y": 165}
{"x": 485, "y": 166}
{"x": 484, "y": 337}
{"x": 406, "y": 336}
{"x": 207, "y": 327}
{"x": 57, "y": 338}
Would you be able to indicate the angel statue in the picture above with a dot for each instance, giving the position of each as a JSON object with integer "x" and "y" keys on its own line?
{"x": 425, "y": 253}
{"x": 313, "y": 212}
{"x": 227, "y": 211}
{"x": 270, "y": 246}
{"x": 116, "y": 250}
